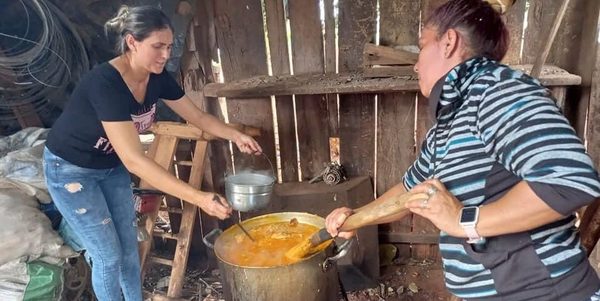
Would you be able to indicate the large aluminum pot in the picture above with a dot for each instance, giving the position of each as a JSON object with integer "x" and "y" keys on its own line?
{"x": 314, "y": 278}
{"x": 248, "y": 191}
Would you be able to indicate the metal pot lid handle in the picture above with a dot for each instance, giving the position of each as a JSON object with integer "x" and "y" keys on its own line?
{"x": 270, "y": 163}
{"x": 341, "y": 252}
{"x": 225, "y": 174}
{"x": 210, "y": 238}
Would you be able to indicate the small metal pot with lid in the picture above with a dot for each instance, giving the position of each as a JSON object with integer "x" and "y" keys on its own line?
{"x": 313, "y": 278}
{"x": 250, "y": 190}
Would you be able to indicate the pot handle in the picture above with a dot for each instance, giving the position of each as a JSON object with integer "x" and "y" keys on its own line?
{"x": 225, "y": 174}
{"x": 209, "y": 239}
{"x": 341, "y": 252}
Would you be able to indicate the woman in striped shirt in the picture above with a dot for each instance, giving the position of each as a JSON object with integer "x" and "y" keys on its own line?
{"x": 504, "y": 170}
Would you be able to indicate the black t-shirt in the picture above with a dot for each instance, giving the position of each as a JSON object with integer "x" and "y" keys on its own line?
{"x": 78, "y": 136}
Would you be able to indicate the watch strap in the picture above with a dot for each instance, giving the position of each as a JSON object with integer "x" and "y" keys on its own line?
{"x": 472, "y": 234}
{"x": 469, "y": 227}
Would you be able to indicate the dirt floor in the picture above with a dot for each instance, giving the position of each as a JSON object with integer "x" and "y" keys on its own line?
{"x": 403, "y": 280}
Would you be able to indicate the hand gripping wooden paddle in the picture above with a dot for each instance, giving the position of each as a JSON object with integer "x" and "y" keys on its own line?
{"x": 366, "y": 216}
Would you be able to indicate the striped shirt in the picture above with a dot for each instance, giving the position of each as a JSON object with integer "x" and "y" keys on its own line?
{"x": 496, "y": 127}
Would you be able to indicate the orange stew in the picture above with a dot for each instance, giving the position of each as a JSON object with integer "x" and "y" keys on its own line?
{"x": 271, "y": 242}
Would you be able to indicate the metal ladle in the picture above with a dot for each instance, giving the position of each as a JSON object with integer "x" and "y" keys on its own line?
{"x": 239, "y": 222}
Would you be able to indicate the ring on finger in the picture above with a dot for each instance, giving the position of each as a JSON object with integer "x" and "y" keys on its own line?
{"x": 424, "y": 204}
{"x": 431, "y": 190}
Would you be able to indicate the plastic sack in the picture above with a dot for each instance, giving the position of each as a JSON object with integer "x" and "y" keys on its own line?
{"x": 21, "y": 160}
{"x": 26, "y": 231}
{"x": 34, "y": 281}
{"x": 45, "y": 282}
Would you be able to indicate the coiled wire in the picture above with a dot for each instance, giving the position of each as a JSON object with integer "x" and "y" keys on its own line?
{"x": 32, "y": 69}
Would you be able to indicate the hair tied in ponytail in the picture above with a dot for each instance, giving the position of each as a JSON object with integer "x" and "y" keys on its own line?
{"x": 114, "y": 25}
{"x": 501, "y": 6}
{"x": 138, "y": 21}
{"x": 123, "y": 12}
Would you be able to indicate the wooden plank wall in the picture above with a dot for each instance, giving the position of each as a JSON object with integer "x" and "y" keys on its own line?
{"x": 280, "y": 64}
{"x": 380, "y": 135}
{"x": 396, "y": 149}
{"x": 311, "y": 110}
{"x": 241, "y": 41}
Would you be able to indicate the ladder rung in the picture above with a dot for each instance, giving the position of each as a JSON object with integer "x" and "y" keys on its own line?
{"x": 184, "y": 163}
{"x": 171, "y": 209}
{"x": 165, "y": 235}
{"x": 161, "y": 260}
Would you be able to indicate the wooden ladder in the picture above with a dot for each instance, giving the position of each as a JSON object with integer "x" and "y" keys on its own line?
{"x": 162, "y": 150}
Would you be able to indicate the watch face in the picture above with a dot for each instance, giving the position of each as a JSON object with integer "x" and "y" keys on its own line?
{"x": 468, "y": 215}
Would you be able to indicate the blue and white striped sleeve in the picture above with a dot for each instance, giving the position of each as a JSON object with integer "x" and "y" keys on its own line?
{"x": 419, "y": 171}
{"x": 524, "y": 130}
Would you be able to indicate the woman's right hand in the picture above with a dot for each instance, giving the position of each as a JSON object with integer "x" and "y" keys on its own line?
{"x": 215, "y": 205}
{"x": 336, "y": 219}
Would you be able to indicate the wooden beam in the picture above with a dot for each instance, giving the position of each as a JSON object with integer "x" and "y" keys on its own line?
{"x": 350, "y": 83}
{"x": 541, "y": 59}
{"x": 585, "y": 65}
{"x": 391, "y": 71}
{"x": 27, "y": 116}
{"x": 514, "y": 20}
{"x": 312, "y": 114}
{"x": 186, "y": 131}
{"x": 161, "y": 151}
{"x": 409, "y": 238}
{"x": 396, "y": 111}
{"x": 188, "y": 219}
{"x": 160, "y": 260}
{"x": 308, "y": 84}
{"x": 278, "y": 46}
{"x": 590, "y": 226}
{"x": 156, "y": 296}
{"x": 384, "y": 55}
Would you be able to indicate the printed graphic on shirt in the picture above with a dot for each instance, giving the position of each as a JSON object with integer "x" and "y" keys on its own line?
{"x": 144, "y": 120}
{"x": 142, "y": 123}
{"x": 104, "y": 145}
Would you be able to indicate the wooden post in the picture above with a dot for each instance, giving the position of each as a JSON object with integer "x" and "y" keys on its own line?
{"x": 396, "y": 113}
{"x": 541, "y": 59}
{"x": 357, "y": 111}
{"x": 311, "y": 110}
{"x": 278, "y": 46}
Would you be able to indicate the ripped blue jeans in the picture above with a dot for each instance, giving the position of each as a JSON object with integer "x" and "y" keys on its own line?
{"x": 98, "y": 205}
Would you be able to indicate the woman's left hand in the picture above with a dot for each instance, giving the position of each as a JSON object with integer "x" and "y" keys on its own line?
{"x": 442, "y": 208}
{"x": 247, "y": 144}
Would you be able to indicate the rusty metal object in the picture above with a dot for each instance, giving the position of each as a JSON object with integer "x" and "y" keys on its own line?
{"x": 332, "y": 174}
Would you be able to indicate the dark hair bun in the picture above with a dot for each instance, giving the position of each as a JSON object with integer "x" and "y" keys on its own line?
{"x": 115, "y": 25}
{"x": 137, "y": 21}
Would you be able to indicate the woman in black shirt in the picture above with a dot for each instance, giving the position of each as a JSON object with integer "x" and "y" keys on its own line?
{"x": 94, "y": 145}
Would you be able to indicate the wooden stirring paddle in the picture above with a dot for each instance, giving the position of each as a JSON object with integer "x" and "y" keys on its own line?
{"x": 366, "y": 216}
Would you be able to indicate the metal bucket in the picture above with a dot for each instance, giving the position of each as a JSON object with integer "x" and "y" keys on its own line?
{"x": 249, "y": 190}
{"x": 314, "y": 278}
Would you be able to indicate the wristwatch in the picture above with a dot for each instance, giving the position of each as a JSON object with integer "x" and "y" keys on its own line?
{"x": 468, "y": 220}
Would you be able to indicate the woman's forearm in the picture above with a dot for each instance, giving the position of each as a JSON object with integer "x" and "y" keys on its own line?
{"x": 517, "y": 211}
{"x": 162, "y": 180}
{"x": 214, "y": 126}
{"x": 202, "y": 120}
{"x": 395, "y": 190}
